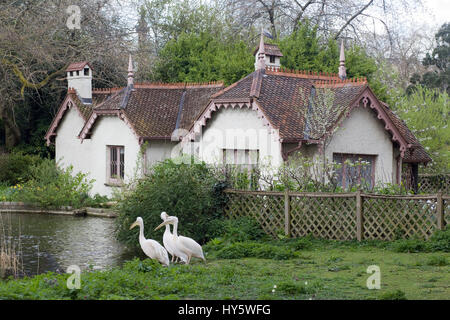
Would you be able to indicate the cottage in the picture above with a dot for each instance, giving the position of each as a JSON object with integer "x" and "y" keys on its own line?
{"x": 267, "y": 116}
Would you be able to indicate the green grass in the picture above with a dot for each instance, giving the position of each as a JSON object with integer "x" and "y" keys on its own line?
{"x": 312, "y": 270}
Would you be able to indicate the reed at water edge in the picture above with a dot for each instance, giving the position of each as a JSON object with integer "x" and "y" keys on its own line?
{"x": 10, "y": 253}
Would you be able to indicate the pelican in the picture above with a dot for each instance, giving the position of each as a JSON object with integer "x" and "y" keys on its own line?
{"x": 169, "y": 242}
{"x": 151, "y": 247}
{"x": 187, "y": 245}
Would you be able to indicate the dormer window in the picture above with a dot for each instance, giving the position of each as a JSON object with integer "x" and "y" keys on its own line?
{"x": 86, "y": 71}
{"x": 272, "y": 59}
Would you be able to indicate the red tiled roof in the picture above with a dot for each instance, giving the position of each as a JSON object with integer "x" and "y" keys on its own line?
{"x": 77, "y": 66}
{"x": 154, "y": 109}
{"x": 283, "y": 97}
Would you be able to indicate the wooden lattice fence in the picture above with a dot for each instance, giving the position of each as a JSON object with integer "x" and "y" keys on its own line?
{"x": 431, "y": 183}
{"x": 343, "y": 216}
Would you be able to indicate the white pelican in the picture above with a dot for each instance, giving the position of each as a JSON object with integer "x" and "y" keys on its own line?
{"x": 169, "y": 242}
{"x": 184, "y": 244}
{"x": 151, "y": 247}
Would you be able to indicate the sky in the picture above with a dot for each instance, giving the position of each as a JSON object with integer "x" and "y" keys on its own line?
{"x": 439, "y": 11}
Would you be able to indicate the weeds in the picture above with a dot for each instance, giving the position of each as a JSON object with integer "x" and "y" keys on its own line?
{"x": 10, "y": 259}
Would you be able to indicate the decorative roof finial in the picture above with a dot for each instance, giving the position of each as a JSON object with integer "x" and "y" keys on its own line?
{"x": 130, "y": 72}
{"x": 342, "y": 69}
{"x": 261, "y": 53}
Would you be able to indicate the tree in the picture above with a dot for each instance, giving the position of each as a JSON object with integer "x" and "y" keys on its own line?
{"x": 426, "y": 112}
{"x": 438, "y": 64}
{"x": 203, "y": 57}
{"x": 305, "y": 49}
{"x": 35, "y": 50}
{"x": 332, "y": 18}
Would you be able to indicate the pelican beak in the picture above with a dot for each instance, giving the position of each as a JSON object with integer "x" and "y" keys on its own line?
{"x": 162, "y": 225}
{"x": 133, "y": 225}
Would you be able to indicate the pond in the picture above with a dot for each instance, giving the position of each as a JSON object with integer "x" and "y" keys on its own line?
{"x": 54, "y": 242}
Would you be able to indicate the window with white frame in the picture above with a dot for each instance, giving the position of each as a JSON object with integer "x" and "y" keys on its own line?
{"x": 242, "y": 164}
{"x": 244, "y": 159}
{"x": 116, "y": 164}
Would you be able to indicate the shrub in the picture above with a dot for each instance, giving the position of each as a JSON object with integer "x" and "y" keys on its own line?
{"x": 242, "y": 229}
{"x": 440, "y": 240}
{"x": 95, "y": 201}
{"x": 294, "y": 288}
{"x": 300, "y": 243}
{"x": 410, "y": 245}
{"x": 14, "y": 167}
{"x": 183, "y": 190}
{"x": 50, "y": 186}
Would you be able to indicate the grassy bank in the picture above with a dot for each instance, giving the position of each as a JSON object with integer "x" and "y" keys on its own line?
{"x": 300, "y": 269}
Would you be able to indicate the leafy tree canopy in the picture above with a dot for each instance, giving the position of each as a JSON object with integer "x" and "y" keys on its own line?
{"x": 203, "y": 57}
{"x": 425, "y": 111}
{"x": 438, "y": 62}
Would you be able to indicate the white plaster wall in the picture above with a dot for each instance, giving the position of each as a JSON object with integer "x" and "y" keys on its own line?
{"x": 91, "y": 155}
{"x": 68, "y": 149}
{"x": 363, "y": 133}
{"x": 110, "y": 130}
{"x": 81, "y": 83}
{"x": 238, "y": 129}
{"x": 158, "y": 151}
{"x": 267, "y": 59}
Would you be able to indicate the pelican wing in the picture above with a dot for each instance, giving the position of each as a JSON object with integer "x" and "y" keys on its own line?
{"x": 156, "y": 251}
{"x": 192, "y": 247}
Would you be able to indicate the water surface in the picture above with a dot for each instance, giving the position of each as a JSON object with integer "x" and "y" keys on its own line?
{"x": 54, "y": 242}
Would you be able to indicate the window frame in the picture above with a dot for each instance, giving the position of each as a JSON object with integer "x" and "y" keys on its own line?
{"x": 247, "y": 166}
{"x": 352, "y": 157}
{"x": 119, "y": 169}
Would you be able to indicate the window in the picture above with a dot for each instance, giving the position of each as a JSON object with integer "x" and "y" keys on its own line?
{"x": 71, "y": 73}
{"x": 78, "y": 72}
{"x": 272, "y": 59}
{"x": 242, "y": 163}
{"x": 356, "y": 169}
{"x": 86, "y": 71}
{"x": 247, "y": 159}
{"x": 116, "y": 165}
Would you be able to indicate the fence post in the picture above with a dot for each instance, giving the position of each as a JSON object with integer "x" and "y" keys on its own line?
{"x": 439, "y": 212}
{"x": 287, "y": 214}
{"x": 359, "y": 217}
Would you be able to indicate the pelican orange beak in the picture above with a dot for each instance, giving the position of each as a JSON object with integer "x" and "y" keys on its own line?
{"x": 133, "y": 225}
{"x": 162, "y": 224}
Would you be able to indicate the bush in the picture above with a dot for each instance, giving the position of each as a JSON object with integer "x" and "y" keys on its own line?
{"x": 50, "y": 186}
{"x": 14, "y": 167}
{"x": 440, "y": 240}
{"x": 410, "y": 245}
{"x": 292, "y": 288}
{"x": 182, "y": 190}
{"x": 242, "y": 229}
